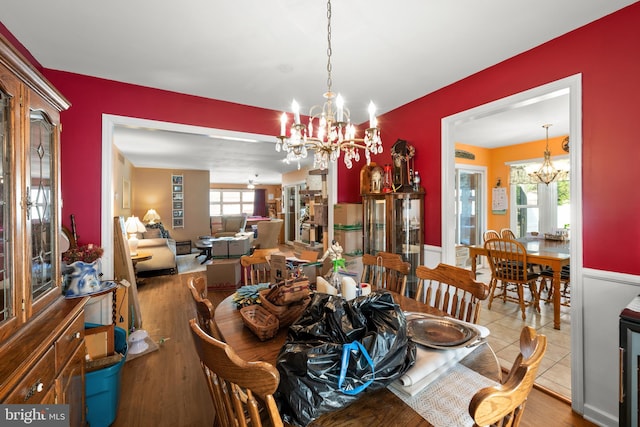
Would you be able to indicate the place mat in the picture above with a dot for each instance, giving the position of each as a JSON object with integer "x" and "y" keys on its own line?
{"x": 445, "y": 402}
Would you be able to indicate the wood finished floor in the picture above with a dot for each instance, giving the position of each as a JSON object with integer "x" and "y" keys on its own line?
{"x": 167, "y": 387}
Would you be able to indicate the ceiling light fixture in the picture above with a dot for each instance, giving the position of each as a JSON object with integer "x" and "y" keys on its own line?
{"x": 333, "y": 132}
{"x": 252, "y": 183}
{"x": 547, "y": 172}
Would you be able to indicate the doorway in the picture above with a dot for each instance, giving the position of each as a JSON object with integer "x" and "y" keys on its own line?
{"x": 573, "y": 86}
{"x": 471, "y": 205}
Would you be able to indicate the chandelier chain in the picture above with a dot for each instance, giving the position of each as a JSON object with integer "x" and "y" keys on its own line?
{"x": 329, "y": 132}
{"x": 329, "y": 80}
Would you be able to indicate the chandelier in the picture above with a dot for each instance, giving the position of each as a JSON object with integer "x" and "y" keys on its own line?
{"x": 547, "y": 172}
{"x": 329, "y": 131}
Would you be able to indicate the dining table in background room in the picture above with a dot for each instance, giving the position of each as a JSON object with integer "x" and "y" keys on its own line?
{"x": 554, "y": 254}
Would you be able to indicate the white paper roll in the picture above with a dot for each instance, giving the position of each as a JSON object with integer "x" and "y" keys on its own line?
{"x": 349, "y": 288}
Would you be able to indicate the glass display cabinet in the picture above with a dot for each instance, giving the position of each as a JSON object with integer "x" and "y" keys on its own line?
{"x": 394, "y": 222}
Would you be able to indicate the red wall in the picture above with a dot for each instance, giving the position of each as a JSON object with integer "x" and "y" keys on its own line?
{"x": 605, "y": 52}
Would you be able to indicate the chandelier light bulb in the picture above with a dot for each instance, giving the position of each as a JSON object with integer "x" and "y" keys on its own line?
{"x": 329, "y": 130}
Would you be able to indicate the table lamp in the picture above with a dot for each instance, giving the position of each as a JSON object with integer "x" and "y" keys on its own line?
{"x": 133, "y": 226}
{"x": 151, "y": 216}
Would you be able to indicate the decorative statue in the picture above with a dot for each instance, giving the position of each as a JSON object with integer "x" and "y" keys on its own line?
{"x": 334, "y": 252}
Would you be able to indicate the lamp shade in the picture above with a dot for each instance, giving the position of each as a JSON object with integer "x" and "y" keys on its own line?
{"x": 133, "y": 225}
{"x": 151, "y": 216}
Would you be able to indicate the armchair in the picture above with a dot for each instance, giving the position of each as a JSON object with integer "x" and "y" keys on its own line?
{"x": 231, "y": 225}
{"x": 268, "y": 232}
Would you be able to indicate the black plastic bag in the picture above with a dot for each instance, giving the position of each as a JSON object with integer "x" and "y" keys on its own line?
{"x": 310, "y": 360}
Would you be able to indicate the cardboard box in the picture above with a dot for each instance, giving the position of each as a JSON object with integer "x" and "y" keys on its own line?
{"x": 351, "y": 241}
{"x": 345, "y": 214}
{"x": 223, "y": 274}
{"x": 239, "y": 246}
{"x": 220, "y": 248}
{"x": 278, "y": 266}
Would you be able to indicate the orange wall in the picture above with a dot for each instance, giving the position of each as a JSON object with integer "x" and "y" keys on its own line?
{"x": 495, "y": 160}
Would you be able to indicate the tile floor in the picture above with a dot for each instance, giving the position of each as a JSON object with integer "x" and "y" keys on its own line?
{"x": 505, "y": 323}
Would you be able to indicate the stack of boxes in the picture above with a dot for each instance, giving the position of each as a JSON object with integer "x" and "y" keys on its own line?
{"x": 230, "y": 247}
{"x": 347, "y": 230}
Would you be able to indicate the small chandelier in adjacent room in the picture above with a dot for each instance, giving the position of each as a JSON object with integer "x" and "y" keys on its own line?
{"x": 547, "y": 172}
{"x": 329, "y": 130}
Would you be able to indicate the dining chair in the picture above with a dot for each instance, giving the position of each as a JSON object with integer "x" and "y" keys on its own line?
{"x": 507, "y": 233}
{"x": 394, "y": 274}
{"x": 510, "y": 272}
{"x": 451, "y": 289}
{"x": 546, "y": 284}
{"x": 373, "y": 269}
{"x": 199, "y": 283}
{"x": 255, "y": 267}
{"x": 490, "y": 234}
{"x": 503, "y": 405}
{"x": 204, "y": 310}
{"x": 242, "y": 392}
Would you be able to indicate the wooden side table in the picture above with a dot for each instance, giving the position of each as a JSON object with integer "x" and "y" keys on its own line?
{"x": 140, "y": 256}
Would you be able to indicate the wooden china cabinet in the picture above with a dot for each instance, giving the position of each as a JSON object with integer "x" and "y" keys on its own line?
{"x": 394, "y": 222}
{"x": 42, "y": 345}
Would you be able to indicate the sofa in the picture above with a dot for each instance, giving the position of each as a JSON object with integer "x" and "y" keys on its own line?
{"x": 156, "y": 241}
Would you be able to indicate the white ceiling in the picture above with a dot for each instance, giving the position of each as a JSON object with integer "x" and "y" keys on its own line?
{"x": 265, "y": 53}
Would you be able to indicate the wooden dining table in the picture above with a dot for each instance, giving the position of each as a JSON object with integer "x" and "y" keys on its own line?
{"x": 376, "y": 408}
{"x": 554, "y": 254}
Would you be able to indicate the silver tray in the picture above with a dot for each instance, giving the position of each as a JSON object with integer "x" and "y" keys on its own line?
{"x": 441, "y": 332}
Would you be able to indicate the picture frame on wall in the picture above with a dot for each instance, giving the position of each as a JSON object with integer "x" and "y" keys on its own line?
{"x": 177, "y": 205}
{"x": 177, "y": 188}
{"x": 177, "y": 223}
{"x": 177, "y": 214}
{"x": 176, "y": 179}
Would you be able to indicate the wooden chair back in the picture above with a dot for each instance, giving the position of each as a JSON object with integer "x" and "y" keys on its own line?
{"x": 395, "y": 274}
{"x": 451, "y": 289}
{"x": 507, "y": 233}
{"x": 255, "y": 267}
{"x": 373, "y": 268}
{"x": 508, "y": 260}
{"x": 240, "y": 390}
{"x": 204, "y": 309}
{"x": 490, "y": 234}
{"x": 509, "y": 267}
{"x": 199, "y": 284}
{"x": 503, "y": 405}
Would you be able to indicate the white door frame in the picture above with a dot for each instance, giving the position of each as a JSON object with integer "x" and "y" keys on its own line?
{"x": 574, "y": 84}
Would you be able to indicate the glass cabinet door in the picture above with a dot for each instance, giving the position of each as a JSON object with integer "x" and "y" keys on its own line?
{"x": 406, "y": 231}
{"x": 5, "y": 214}
{"x": 41, "y": 193}
{"x": 375, "y": 212}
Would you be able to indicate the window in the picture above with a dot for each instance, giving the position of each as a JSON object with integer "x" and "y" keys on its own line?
{"x": 229, "y": 202}
{"x": 538, "y": 207}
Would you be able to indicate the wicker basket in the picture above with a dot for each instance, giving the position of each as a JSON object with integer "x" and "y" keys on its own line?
{"x": 286, "y": 314}
{"x": 262, "y": 323}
